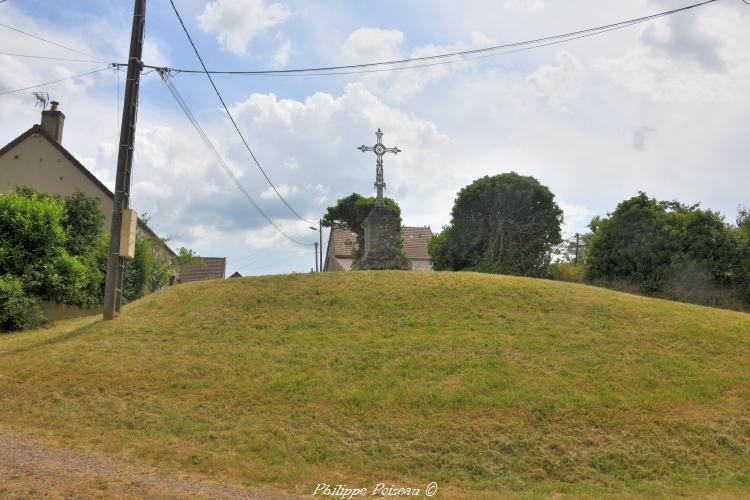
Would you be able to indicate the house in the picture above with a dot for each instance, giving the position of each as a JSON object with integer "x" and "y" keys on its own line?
{"x": 37, "y": 159}
{"x": 211, "y": 268}
{"x": 342, "y": 242}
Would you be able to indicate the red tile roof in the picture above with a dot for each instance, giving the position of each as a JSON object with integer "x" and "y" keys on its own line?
{"x": 344, "y": 242}
{"x": 416, "y": 240}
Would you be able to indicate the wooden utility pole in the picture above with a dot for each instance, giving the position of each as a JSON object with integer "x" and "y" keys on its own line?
{"x": 578, "y": 245}
{"x": 316, "y": 256}
{"x": 320, "y": 232}
{"x": 115, "y": 262}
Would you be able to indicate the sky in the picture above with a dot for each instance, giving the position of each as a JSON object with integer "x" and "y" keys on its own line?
{"x": 662, "y": 107}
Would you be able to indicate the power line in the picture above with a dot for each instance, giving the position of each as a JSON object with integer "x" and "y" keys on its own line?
{"x": 256, "y": 253}
{"x": 331, "y": 70}
{"x": 50, "y": 58}
{"x": 264, "y": 259}
{"x": 559, "y": 38}
{"x": 247, "y": 146}
{"x": 425, "y": 65}
{"x": 191, "y": 117}
{"x": 48, "y": 41}
{"x": 55, "y": 81}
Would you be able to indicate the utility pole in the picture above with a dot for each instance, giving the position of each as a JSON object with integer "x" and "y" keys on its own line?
{"x": 115, "y": 262}
{"x": 578, "y": 244}
{"x": 320, "y": 229}
{"x": 316, "y": 256}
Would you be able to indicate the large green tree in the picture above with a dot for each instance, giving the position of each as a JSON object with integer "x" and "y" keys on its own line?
{"x": 506, "y": 223}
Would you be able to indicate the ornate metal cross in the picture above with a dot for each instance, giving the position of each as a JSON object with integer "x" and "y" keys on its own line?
{"x": 379, "y": 150}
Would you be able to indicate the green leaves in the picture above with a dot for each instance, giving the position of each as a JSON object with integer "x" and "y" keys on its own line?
{"x": 505, "y": 224}
{"x": 666, "y": 246}
{"x": 15, "y": 305}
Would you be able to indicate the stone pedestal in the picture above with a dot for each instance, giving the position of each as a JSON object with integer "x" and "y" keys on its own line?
{"x": 381, "y": 241}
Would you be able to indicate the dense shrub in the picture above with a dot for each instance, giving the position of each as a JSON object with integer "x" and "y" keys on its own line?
{"x": 32, "y": 247}
{"x": 564, "y": 271}
{"x": 671, "y": 249}
{"x": 53, "y": 248}
{"x": 15, "y": 305}
{"x": 506, "y": 224}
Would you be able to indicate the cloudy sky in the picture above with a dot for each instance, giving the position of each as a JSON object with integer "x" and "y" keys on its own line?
{"x": 662, "y": 107}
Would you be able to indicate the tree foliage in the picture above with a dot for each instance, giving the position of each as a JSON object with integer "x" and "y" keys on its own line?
{"x": 15, "y": 305}
{"x": 83, "y": 223}
{"x": 667, "y": 246}
{"x": 138, "y": 272}
{"x": 53, "y": 248}
{"x": 506, "y": 223}
{"x": 33, "y": 247}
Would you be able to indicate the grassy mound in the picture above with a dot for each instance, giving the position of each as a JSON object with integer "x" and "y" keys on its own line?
{"x": 481, "y": 383}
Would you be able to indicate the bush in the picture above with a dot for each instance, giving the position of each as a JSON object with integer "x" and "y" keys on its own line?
{"x": 672, "y": 250}
{"x": 15, "y": 306}
{"x": 505, "y": 224}
{"x": 563, "y": 271}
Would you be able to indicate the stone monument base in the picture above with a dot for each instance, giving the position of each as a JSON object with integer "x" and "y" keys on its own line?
{"x": 382, "y": 242}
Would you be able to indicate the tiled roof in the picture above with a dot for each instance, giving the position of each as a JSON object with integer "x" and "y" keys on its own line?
{"x": 416, "y": 240}
{"x": 214, "y": 268}
{"x": 344, "y": 242}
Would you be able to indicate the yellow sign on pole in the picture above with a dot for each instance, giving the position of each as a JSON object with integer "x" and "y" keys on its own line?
{"x": 127, "y": 234}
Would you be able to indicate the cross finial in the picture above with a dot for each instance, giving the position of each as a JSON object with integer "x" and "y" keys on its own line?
{"x": 379, "y": 149}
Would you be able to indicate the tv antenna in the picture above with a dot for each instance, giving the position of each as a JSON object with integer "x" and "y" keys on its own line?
{"x": 42, "y": 99}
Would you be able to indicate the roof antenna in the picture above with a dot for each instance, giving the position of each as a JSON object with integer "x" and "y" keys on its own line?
{"x": 42, "y": 99}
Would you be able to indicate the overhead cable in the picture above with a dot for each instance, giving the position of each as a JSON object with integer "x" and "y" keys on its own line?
{"x": 191, "y": 117}
{"x": 49, "y": 58}
{"x": 565, "y": 36}
{"x": 48, "y": 41}
{"x": 231, "y": 118}
{"x": 55, "y": 81}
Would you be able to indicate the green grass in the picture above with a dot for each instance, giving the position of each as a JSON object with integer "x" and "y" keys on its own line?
{"x": 481, "y": 383}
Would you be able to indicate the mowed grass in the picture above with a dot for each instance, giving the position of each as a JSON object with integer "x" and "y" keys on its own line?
{"x": 484, "y": 384}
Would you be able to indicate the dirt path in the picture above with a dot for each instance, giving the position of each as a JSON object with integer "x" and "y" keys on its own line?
{"x": 30, "y": 470}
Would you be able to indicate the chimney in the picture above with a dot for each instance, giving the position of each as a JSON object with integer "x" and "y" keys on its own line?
{"x": 53, "y": 121}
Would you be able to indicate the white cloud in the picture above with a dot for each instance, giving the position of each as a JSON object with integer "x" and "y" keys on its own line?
{"x": 372, "y": 45}
{"x": 378, "y": 45}
{"x": 524, "y": 5}
{"x": 283, "y": 189}
{"x": 557, "y": 84}
{"x": 281, "y": 57}
{"x": 575, "y": 216}
{"x": 325, "y": 130}
{"x": 664, "y": 79}
{"x": 641, "y": 137}
{"x": 237, "y": 22}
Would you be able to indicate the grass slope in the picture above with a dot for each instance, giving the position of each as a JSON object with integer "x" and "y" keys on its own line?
{"x": 482, "y": 383}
